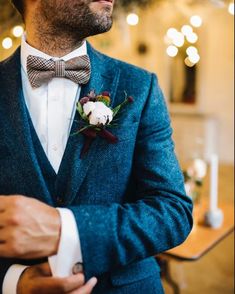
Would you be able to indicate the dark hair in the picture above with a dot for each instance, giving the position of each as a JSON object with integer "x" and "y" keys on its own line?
{"x": 19, "y": 5}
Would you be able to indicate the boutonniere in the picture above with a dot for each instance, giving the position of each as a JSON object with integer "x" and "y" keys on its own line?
{"x": 97, "y": 116}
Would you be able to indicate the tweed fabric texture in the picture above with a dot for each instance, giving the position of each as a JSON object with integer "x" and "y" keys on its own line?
{"x": 128, "y": 198}
{"x": 40, "y": 70}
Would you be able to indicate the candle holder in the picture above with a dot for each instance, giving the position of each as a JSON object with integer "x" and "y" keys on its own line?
{"x": 214, "y": 218}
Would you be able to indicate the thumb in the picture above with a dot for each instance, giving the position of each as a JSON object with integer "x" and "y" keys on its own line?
{"x": 44, "y": 269}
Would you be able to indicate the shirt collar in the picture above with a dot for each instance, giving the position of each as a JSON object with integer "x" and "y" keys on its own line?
{"x": 27, "y": 50}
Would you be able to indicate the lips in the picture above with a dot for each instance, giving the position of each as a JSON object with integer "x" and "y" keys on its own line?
{"x": 110, "y": 1}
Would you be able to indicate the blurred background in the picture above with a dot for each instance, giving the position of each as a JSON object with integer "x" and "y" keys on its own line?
{"x": 189, "y": 44}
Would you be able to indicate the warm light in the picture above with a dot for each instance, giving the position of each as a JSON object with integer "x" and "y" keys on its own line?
{"x": 194, "y": 58}
{"x": 178, "y": 39}
{"x": 188, "y": 62}
{"x": 172, "y": 51}
{"x": 132, "y": 19}
{"x": 196, "y": 21}
{"x": 167, "y": 40}
{"x": 187, "y": 30}
{"x": 171, "y": 33}
{"x": 191, "y": 50}
{"x": 231, "y": 8}
{"x": 192, "y": 38}
{"x": 17, "y": 31}
{"x": 7, "y": 43}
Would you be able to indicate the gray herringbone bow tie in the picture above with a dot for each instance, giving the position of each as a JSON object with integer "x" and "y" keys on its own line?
{"x": 40, "y": 70}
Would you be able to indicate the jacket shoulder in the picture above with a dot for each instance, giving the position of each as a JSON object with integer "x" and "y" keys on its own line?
{"x": 13, "y": 61}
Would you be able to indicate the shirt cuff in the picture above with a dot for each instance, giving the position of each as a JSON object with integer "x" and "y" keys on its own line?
{"x": 11, "y": 279}
{"x": 69, "y": 250}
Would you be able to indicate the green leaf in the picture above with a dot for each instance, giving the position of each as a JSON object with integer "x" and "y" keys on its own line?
{"x": 80, "y": 111}
{"x": 116, "y": 109}
{"x": 82, "y": 129}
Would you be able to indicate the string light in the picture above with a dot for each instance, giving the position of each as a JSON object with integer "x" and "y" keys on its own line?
{"x": 192, "y": 38}
{"x": 194, "y": 58}
{"x": 167, "y": 40}
{"x": 172, "y": 51}
{"x": 7, "y": 43}
{"x": 196, "y": 21}
{"x": 191, "y": 50}
{"x": 18, "y": 31}
{"x": 187, "y": 30}
{"x": 171, "y": 33}
{"x": 132, "y": 19}
{"x": 231, "y": 8}
{"x": 188, "y": 62}
{"x": 178, "y": 39}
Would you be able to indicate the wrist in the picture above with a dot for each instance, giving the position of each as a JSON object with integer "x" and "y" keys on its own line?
{"x": 20, "y": 283}
{"x": 56, "y": 232}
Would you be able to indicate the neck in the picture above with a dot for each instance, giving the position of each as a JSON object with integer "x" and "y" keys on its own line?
{"x": 51, "y": 42}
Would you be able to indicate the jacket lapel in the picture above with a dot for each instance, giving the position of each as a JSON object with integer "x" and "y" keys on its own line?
{"x": 17, "y": 130}
{"x": 104, "y": 77}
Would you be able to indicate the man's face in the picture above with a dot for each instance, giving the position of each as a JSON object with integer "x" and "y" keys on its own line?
{"x": 84, "y": 17}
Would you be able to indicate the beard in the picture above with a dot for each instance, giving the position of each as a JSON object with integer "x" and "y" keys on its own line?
{"x": 79, "y": 18}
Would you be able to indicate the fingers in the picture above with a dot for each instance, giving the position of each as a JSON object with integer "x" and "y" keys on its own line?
{"x": 87, "y": 288}
{"x": 75, "y": 281}
{"x": 66, "y": 285}
{"x": 37, "y": 280}
{"x": 44, "y": 269}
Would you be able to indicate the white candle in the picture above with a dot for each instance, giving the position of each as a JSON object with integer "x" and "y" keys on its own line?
{"x": 214, "y": 182}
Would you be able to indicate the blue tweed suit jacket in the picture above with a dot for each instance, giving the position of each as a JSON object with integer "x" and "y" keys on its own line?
{"x": 128, "y": 198}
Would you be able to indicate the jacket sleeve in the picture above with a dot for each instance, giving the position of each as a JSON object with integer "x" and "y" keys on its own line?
{"x": 158, "y": 219}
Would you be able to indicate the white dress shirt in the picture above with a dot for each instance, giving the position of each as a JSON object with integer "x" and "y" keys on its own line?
{"x": 52, "y": 108}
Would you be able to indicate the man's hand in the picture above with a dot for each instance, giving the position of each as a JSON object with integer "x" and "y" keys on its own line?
{"x": 37, "y": 280}
{"x": 28, "y": 228}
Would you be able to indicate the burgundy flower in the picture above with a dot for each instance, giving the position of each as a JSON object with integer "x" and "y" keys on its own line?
{"x": 89, "y": 132}
{"x": 130, "y": 99}
{"x": 105, "y": 93}
{"x": 84, "y": 100}
{"x": 108, "y": 136}
{"x": 92, "y": 95}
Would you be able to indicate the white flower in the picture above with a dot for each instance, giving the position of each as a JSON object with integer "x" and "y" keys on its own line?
{"x": 98, "y": 113}
{"x": 88, "y": 107}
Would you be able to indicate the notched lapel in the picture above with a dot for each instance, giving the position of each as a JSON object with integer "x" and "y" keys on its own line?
{"x": 16, "y": 129}
{"x": 104, "y": 77}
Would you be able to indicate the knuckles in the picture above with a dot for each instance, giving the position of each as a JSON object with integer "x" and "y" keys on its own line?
{"x": 15, "y": 210}
{"x": 14, "y": 219}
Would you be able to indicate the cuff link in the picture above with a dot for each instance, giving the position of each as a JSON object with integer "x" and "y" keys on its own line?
{"x": 77, "y": 268}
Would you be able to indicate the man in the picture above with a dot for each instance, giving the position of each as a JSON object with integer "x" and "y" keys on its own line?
{"x": 67, "y": 221}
